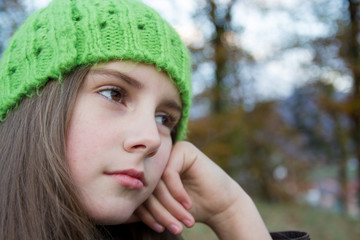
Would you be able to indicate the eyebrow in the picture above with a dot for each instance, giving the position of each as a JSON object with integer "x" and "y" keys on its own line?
{"x": 129, "y": 80}
{"x": 172, "y": 105}
{"x": 135, "y": 83}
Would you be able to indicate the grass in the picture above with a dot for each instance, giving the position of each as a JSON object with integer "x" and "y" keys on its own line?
{"x": 279, "y": 217}
{"x": 199, "y": 232}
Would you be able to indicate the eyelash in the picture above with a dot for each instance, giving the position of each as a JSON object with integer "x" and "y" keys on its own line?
{"x": 121, "y": 92}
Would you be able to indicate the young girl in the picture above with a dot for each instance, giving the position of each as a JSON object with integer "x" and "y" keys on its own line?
{"x": 94, "y": 102}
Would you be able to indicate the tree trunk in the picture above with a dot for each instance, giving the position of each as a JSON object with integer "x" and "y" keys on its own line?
{"x": 354, "y": 61}
{"x": 220, "y": 54}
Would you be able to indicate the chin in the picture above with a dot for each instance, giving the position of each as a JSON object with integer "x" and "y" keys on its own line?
{"x": 111, "y": 220}
{"x": 112, "y": 216}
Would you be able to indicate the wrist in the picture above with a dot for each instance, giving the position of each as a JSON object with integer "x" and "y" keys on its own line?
{"x": 240, "y": 220}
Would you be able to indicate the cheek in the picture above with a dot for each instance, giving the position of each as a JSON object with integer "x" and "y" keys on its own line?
{"x": 75, "y": 154}
{"x": 83, "y": 144}
{"x": 161, "y": 159}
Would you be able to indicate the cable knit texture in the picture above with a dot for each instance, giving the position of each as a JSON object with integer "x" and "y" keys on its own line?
{"x": 71, "y": 33}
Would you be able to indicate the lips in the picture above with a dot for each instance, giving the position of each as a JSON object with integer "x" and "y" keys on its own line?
{"x": 130, "y": 178}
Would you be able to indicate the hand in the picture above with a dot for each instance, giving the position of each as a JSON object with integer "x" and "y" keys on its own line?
{"x": 161, "y": 209}
{"x": 196, "y": 182}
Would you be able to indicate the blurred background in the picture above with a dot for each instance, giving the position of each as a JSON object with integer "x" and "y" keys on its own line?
{"x": 276, "y": 87}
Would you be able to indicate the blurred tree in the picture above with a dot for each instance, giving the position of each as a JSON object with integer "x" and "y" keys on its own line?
{"x": 220, "y": 18}
{"x": 273, "y": 153}
{"x": 336, "y": 58}
{"x": 351, "y": 54}
{"x": 319, "y": 115}
{"x": 341, "y": 137}
{"x": 315, "y": 110}
{"x": 221, "y": 51}
{"x": 230, "y": 135}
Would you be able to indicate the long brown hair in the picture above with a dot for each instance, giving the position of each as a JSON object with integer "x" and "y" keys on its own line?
{"x": 37, "y": 196}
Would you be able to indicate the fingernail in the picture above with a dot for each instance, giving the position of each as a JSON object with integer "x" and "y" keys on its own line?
{"x": 187, "y": 223}
{"x": 174, "y": 229}
{"x": 157, "y": 227}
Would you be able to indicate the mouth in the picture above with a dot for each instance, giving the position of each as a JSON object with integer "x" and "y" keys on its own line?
{"x": 130, "y": 178}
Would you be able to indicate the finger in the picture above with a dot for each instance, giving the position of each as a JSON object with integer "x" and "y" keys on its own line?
{"x": 176, "y": 188}
{"x": 144, "y": 215}
{"x": 172, "y": 205}
{"x": 163, "y": 216}
{"x": 178, "y": 163}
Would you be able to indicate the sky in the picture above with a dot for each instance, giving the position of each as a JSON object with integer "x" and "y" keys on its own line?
{"x": 263, "y": 34}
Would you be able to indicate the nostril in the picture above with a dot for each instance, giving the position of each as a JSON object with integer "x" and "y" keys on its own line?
{"x": 148, "y": 150}
{"x": 139, "y": 146}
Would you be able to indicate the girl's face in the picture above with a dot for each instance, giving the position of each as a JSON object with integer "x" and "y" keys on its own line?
{"x": 118, "y": 141}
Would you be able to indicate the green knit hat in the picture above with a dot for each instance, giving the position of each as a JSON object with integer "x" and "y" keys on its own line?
{"x": 70, "y": 33}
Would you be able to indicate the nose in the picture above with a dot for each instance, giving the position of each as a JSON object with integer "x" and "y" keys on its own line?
{"x": 142, "y": 136}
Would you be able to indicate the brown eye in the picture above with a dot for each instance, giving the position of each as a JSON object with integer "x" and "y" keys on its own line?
{"x": 166, "y": 119}
{"x": 116, "y": 95}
